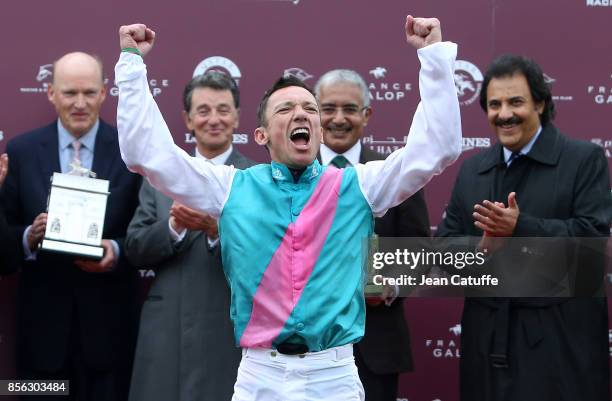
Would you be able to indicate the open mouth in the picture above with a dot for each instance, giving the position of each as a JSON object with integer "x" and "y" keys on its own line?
{"x": 300, "y": 136}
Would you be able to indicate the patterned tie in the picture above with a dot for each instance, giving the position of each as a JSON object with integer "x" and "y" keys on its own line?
{"x": 76, "y": 158}
{"x": 513, "y": 157}
{"x": 340, "y": 161}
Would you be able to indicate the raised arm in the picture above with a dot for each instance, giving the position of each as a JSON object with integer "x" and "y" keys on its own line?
{"x": 434, "y": 140}
{"x": 145, "y": 140}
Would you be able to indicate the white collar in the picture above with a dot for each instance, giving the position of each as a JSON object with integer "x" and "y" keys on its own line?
{"x": 352, "y": 155}
{"x": 217, "y": 160}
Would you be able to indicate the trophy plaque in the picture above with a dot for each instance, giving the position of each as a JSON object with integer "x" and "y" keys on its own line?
{"x": 75, "y": 216}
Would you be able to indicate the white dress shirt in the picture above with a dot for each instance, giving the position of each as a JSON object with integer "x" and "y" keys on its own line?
{"x": 352, "y": 155}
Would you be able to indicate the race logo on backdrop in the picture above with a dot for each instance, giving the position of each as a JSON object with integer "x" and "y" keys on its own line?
{"x": 468, "y": 82}
{"x": 298, "y": 73}
{"x": 447, "y": 345}
{"x": 386, "y": 90}
{"x": 146, "y": 273}
{"x": 223, "y": 64}
{"x": 238, "y": 139}
{"x": 1, "y": 136}
{"x": 156, "y": 86}
{"x": 44, "y": 76}
{"x": 456, "y": 329}
{"x": 602, "y": 94}
{"x": 218, "y": 63}
{"x": 557, "y": 98}
{"x": 378, "y": 72}
{"x": 44, "y": 72}
{"x": 474, "y": 143}
{"x": 599, "y": 3}
{"x": 549, "y": 80}
{"x": 385, "y": 147}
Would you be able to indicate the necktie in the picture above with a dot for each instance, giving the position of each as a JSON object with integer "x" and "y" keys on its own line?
{"x": 340, "y": 161}
{"x": 513, "y": 157}
{"x": 76, "y": 157}
{"x": 513, "y": 176}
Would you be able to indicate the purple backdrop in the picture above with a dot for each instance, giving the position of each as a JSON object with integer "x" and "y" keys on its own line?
{"x": 258, "y": 40}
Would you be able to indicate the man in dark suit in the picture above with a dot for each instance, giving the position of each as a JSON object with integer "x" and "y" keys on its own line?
{"x": 9, "y": 246}
{"x": 535, "y": 182}
{"x": 76, "y": 317}
{"x": 384, "y": 352}
{"x": 189, "y": 300}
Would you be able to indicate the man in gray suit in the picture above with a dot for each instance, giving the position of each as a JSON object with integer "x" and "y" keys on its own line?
{"x": 185, "y": 348}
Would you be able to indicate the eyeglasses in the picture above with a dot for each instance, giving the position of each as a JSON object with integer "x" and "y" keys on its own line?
{"x": 347, "y": 109}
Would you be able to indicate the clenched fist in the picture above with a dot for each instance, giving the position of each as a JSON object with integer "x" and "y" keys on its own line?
{"x": 421, "y": 32}
{"x": 137, "y": 36}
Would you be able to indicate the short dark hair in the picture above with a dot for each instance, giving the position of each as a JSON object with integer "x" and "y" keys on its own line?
{"x": 212, "y": 79}
{"x": 509, "y": 64}
{"x": 281, "y": 83}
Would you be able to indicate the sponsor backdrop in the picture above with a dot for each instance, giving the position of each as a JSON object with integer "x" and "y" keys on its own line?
{"x": 258, "y": 40}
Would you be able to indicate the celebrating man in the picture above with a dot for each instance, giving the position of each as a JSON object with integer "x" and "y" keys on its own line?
{"x": 292, "y": 231}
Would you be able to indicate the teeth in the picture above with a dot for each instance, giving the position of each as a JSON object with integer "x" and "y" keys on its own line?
{"x": 301, "y": 132}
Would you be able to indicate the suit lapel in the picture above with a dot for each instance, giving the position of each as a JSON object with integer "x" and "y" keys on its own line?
{"x": 104, "y": 154}
{"x": 235, "y": 159}
{"x": 48, "y": 155}
{"x": 488, "y": 170}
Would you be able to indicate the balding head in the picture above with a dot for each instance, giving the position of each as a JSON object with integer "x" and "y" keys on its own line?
{"x": 78, "y": 61}
{"x": 77, "y": 91}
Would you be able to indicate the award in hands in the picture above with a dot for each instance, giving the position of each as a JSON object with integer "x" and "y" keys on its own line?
{"x": 76, "y": 210}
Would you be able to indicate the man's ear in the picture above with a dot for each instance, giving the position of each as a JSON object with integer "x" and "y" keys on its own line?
{"x": 103, "y": 93}
{"x": 261, "y": 136}
{"x": 187, "y": 120}
{"x": 540, "y": 108}
{"x": 51, "y": 93}
{"x": 367, "y": 113}
{"x": 237, "y": 119}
